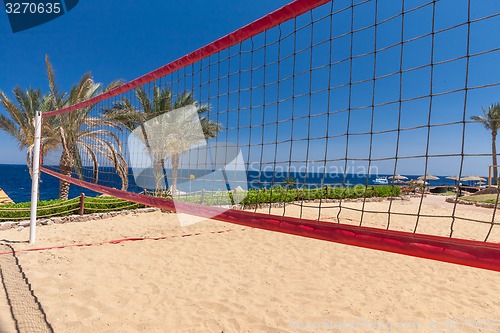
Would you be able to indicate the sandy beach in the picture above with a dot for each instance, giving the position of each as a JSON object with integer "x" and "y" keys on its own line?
{"x": 219, "y": 277}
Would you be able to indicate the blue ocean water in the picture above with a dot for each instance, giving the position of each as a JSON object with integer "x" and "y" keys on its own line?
{"x": 16, "y": 182}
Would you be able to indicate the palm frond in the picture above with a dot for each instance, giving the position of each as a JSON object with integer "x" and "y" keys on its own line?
{"x": 143, "y": 98}
{"x": 113, "y": 85}
{"x": 56, "y": 98}
{"x": 162, "y": 100}
{"x": 93, "y": 122}
{"x": 491, "y": 119}
{"x": 8, "y": 126}
{"x": 184, "y": 99}
{"x": 210, "y": 128}
{"x": 99, "y": 134}
{"x": 481, "y": 120}
{"x": 93, "y": 157}
{"x": 12, "y": 109}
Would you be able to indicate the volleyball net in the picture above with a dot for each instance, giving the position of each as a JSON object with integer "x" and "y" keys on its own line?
{"x": 315, "y": 120}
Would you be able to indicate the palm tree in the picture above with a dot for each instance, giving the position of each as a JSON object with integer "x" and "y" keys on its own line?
{"x": 161, "y": 103}
{"x": 79, "y": 134}
{"x": 19, "y": 122}
{"x": 491, "y": 121}
{"x": 71, "y": 132}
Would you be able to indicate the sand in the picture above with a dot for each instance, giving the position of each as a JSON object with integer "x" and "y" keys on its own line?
{"x": 226, "y": 278}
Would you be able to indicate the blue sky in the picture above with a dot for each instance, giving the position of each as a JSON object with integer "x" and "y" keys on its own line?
{"x": 114, "y": 39}
{"x": 125, "y": 39}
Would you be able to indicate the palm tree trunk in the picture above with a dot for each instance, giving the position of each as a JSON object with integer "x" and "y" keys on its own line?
{"x": 65, "y": 167}
{"x": 175, "y": 168}
{"x": 124, "y": 177}
{"x": 494, "y": 156}
{"x": 158, "y": 174}
{"x": 158, "y": 163}
{"x": 146, "y": 139}
{"x": 164, "y": 173}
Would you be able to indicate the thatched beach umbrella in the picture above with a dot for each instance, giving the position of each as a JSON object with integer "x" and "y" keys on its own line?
{"x": 455, "y": 178}
{"x": 428, "y": 177}
{"x": 398, "y": 177}
{"x": 473, "y": 178}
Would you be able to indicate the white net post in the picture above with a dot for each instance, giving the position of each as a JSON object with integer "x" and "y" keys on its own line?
{"x": 35, "y": 175}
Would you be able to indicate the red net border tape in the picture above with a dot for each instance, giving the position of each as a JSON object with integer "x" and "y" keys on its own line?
{"x": 113, "y": 241}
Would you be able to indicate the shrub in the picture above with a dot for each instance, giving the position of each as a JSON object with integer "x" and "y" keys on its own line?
{"x": 53, "y": 208}
{"x": 21, "y": 211}
{"x": 280, "y": 194}
{"x": 386, "y": 191}
{"x": 107, "y": 204}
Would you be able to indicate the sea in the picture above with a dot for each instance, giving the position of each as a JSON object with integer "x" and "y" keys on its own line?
{"x": 15, "y": 181}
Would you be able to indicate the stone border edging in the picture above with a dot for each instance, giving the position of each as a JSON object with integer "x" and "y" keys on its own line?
{"x": 470, "y": 203}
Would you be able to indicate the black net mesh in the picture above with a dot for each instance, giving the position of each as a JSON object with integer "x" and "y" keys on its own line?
{"x": 26, "y": 311}
{"x": 332, "y": 115}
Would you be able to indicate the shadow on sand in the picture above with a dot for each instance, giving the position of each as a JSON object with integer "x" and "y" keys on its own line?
{"x": 26, "y": 311}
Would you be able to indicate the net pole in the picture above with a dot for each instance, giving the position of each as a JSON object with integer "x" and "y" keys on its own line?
{"x": 35, "y": 175}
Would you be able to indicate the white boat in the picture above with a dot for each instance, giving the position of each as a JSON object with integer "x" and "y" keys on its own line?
{"x": 381, "y": 180}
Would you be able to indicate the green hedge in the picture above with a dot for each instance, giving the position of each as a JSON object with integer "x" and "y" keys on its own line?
{"x": 58, "y": 208}
{"x": 281, "y": 194}
{"x": 107, "y": 204}
{"x": 21, "y": 211}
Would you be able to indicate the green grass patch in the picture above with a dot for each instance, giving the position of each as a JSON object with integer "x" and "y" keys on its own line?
{"x": 487, "y": 198}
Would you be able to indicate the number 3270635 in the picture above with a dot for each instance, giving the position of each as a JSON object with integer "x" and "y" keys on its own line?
{"x": 32, "y": 8}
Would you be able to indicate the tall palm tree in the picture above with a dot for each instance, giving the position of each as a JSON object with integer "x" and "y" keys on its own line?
{"x": 80, "y": 134}
{"x": 19, "y": 122}
{"x": 174, "y": 133}
{"x": 491, "y": 121}
{"x": 160, "y": 103}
